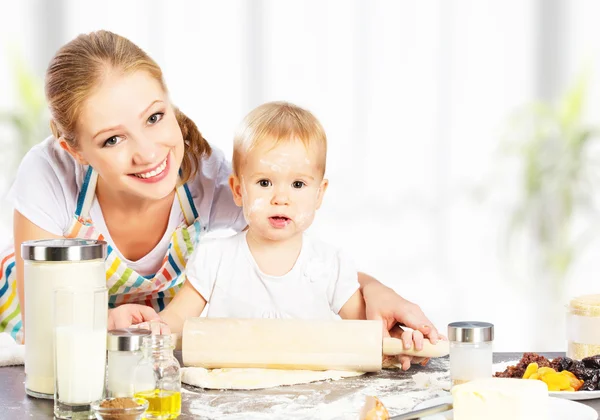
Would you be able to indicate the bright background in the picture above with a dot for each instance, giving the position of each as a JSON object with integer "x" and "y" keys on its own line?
{"x": 417, "y": 100}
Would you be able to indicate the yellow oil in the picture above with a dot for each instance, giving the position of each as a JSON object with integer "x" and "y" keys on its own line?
{"x": 161, "y": 404}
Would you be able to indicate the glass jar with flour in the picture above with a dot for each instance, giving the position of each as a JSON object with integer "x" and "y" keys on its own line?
{"x": 471, "y": 350}
{"x": 48, "y": 266}
{"x": 583, "y": 327}
{"x": 124, "y": 353}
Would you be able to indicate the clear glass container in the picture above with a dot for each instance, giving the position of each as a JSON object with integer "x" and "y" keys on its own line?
{"x": 471, "y": 350}
{"x": 124, "y": 353}
{"x": 49, "y": 265}
{"x": 583, "y": 327}
{"x": 157, "y": 378}
{"x": 80, "y": 318}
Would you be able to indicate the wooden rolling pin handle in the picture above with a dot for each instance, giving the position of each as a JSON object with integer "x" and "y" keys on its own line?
{"x": 395, "y": 346}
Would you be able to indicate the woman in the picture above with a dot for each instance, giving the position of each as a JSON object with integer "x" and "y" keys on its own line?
{"x": 124, "y": 165}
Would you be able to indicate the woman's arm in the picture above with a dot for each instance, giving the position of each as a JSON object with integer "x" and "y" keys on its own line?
{"x": 187, "y": 303}
{"x": 25, "y": 230}
{"x": 385, "y": 304}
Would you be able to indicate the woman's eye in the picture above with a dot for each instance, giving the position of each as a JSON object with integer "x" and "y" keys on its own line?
{"x": 264, "y": 183}
{"x": 112, "y": 141}
{"x": 154, "y": 118}
{"x": 298, "y": 184}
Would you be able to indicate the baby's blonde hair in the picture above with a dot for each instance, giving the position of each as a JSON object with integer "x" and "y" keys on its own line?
{"x": 278, "y": 122}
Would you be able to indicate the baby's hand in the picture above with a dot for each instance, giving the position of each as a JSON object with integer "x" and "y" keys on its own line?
{"x": 157, "y": 327}
{"x": 408, "y": 337}
{"x": 125, "y": 316}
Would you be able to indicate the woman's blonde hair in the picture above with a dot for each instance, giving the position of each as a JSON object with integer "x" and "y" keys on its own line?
{"x": 277, "y": 122}
{"x": 79, "y": 66}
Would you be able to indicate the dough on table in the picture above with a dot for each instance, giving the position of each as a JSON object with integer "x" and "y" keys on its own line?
{"x": 253, "y": 378}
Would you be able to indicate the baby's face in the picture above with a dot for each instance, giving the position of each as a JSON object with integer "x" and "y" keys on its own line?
{"x": 280, "y": 189}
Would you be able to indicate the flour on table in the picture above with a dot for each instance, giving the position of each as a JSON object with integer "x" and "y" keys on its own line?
{"x": 399, "y": 391}
{"x": 248, "y": 378}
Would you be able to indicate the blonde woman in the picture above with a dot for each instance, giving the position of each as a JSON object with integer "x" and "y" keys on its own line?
{"x": 123, "y": 164}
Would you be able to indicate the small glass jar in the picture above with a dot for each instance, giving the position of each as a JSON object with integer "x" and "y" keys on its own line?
{"x": 471, "y": 350}
{"x": 157, "y": 378}
{"x": 583, "y": 327}
{"x": 124, "y": 353}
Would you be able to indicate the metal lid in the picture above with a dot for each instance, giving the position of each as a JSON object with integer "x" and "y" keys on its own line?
{"x": 126, "y": 339}
{"x": 63, "y": 250}
{"x": 470, "y": 332}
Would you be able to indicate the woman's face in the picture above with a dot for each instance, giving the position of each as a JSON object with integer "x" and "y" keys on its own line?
{"x": 127, "y": 131}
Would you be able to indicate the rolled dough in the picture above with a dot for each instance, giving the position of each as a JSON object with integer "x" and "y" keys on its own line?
{"x": 249, "y": 378}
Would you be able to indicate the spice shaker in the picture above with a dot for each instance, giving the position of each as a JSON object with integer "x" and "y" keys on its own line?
{"x": 470, "y": 350}
{"x": 124, "y": 353}
{"x": 157, "y": 378}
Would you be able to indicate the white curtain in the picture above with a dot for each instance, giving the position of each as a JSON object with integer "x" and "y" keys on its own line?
{"x": 414, "y": 97}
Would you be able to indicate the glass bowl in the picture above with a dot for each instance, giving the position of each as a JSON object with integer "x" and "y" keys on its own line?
{"x": 119, "y": 413}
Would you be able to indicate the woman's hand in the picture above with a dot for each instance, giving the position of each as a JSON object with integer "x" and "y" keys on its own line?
{"x": 125, "y": 316}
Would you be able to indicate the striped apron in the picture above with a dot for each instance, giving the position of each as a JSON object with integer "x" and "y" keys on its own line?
{"x": 124, "y": 285}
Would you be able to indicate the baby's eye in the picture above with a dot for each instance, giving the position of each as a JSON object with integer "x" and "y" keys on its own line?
{"x": 298, "y": 184}
{"x": 264, "y": 183}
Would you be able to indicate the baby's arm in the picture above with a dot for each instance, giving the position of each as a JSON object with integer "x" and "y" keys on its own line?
{"x": 354, "y": 308}
{"x": 187, "y": 303}
{"x": 191, "y": 299}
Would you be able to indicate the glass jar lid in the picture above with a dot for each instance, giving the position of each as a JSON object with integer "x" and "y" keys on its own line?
{"x": 470, "y": 332}
{"x": 587, "y": 305}
{"x": 126, "y": 339}
{"x": 63, "y": 250}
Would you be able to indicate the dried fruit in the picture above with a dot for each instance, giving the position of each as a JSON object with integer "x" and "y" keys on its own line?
{"x": 592, "y": 362}
{"x": 531, "y": 369}
{"x": 556, "y": 381}
{"x": 563, "y": 381}
{"x": 583, "y": 374}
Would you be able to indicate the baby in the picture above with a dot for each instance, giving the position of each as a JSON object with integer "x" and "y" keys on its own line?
{"x": 272, "y": 269}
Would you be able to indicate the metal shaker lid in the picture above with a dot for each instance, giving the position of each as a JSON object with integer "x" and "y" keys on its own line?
{"x": 470, "y": 332}
{"x": 126, "y": 339}
{"x": 63, "y": 250}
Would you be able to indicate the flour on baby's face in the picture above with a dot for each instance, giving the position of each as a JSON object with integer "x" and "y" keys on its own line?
{"x": 281, "y": 188}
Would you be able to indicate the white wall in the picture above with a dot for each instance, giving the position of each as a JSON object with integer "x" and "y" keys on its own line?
{"x": 414, "y": 97}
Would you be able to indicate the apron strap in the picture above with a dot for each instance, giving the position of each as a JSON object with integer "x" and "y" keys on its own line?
{"x": 187, "y": 204}
{"x": 87, "y": 194}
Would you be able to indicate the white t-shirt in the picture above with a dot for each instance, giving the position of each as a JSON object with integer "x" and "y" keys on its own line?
{"x": 225, "y": 273}
{"x": 49, "y": 179}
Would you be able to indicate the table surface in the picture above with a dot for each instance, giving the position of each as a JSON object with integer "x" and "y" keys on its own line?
{"x": 15, "y": 404}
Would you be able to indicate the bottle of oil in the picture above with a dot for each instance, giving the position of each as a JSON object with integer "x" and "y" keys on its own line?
{"x": 157, "y": 378}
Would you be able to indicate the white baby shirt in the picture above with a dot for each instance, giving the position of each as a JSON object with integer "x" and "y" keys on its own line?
{"x": 225, "y": 273}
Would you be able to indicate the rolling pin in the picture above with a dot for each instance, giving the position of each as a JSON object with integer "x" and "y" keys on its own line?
{"x": 293, "y": 344}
